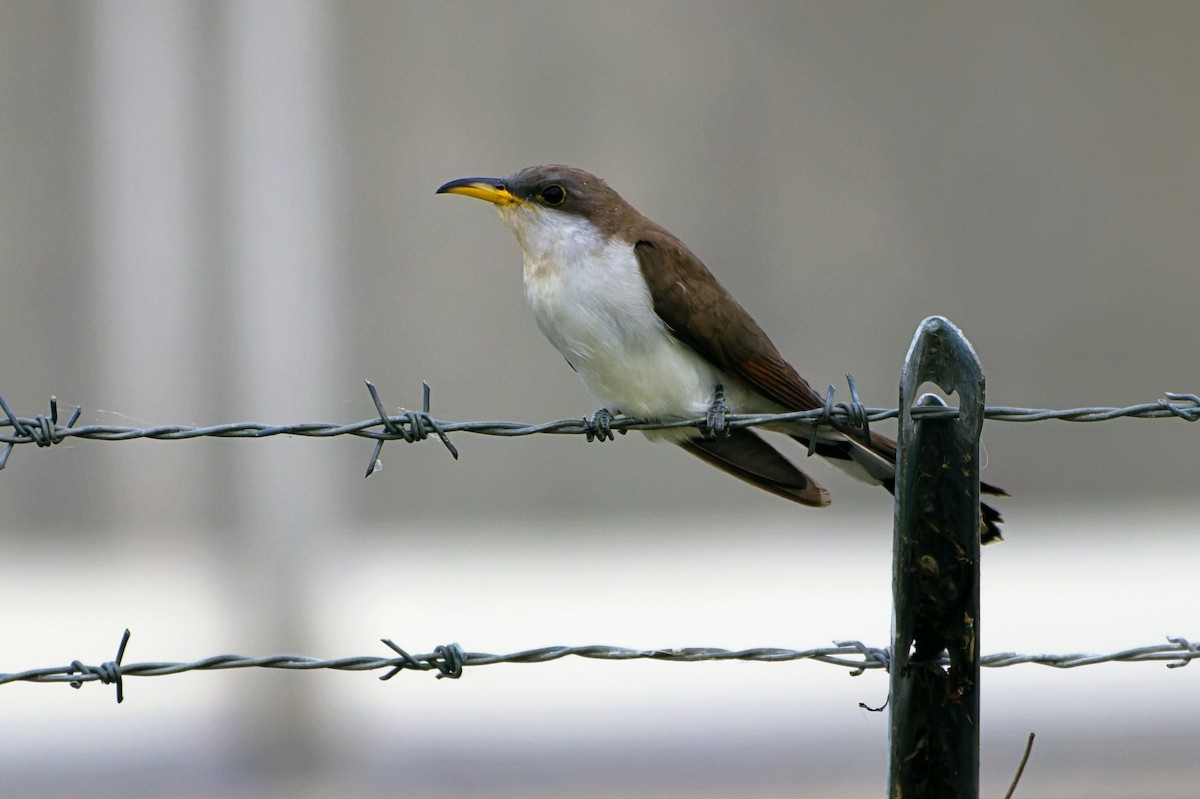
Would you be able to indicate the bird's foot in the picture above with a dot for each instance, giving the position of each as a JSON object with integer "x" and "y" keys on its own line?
{"x": 714, "y": 423}
{"x": 599, "y": 427}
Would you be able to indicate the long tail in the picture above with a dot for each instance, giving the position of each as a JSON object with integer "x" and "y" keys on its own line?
{"x": 874, "y": 460}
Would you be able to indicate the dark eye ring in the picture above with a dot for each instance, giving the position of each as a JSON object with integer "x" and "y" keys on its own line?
{"x": 554, "y": 194}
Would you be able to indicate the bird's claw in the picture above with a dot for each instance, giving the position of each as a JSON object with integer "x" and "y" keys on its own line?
{"x": 599, "y": 427}
{"x": 714, "y": 422}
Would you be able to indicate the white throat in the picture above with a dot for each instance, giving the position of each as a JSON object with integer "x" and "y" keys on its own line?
{"x": 590, "y": 300}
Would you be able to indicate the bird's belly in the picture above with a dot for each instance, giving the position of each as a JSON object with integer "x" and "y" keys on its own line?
{"x": 598, "y": 313}
{"x": 632, "y": 364}
{"x": 662, "y": 379}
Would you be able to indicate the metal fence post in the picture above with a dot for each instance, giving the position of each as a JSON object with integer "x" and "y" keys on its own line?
{"x": 935, "y": 580}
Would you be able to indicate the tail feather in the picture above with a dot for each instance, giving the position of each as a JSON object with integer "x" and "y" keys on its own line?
{"x": 745, "y": 455}
{"x": 874, "y": 460}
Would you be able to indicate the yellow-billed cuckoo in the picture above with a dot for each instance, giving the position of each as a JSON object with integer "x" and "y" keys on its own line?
{"x": 653, "y": 334}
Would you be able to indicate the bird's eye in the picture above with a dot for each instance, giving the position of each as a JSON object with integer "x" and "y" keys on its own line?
{"x": 554, "y": 194}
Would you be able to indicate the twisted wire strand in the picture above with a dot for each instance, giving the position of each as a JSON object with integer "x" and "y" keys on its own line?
{"x": 45, "y": 430}
{"x": 450, "y": 660}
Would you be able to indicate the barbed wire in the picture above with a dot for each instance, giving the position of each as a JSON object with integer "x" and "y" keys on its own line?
{"x": 410, "y": 425}
{"x": 450, "y": 660}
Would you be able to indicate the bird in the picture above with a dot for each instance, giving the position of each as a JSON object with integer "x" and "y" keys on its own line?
{"x": 653, "y": 334}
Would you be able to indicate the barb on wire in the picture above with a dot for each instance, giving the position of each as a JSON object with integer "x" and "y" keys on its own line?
{"x": 418, "y": 425}
{"x": 108, "y": 672}
{"x": 843, "y": 416}
{"x": 41, "y": 430}
{"x": 450, "y": 660}
{"x": 415, "y": 431}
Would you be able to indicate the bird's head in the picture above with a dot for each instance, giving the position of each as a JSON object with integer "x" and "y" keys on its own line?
{"x": 549, "y": 206}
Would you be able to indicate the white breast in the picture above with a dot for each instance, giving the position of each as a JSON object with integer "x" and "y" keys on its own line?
{"x": 590, "y": 300}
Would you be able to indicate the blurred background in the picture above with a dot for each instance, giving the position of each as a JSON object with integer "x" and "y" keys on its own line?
{"x": 224, "y": 211}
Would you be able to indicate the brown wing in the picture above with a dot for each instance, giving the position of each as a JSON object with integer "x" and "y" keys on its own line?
{"x": 747, "y": 457}
{"x": 708, "y": 319}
